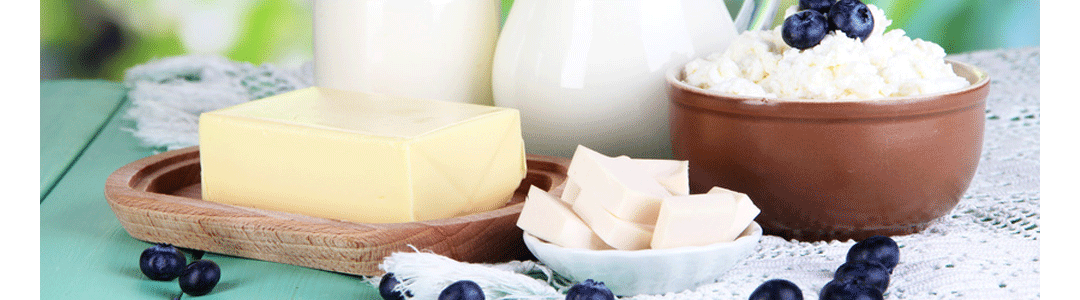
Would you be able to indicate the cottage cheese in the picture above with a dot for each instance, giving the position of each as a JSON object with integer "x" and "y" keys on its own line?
{"x": 887, "y": 64}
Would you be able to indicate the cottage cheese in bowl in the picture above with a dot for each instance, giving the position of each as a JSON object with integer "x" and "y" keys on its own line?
{"x": 884, "y": 65}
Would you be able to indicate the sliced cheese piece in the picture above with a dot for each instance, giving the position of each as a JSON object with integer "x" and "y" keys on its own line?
{"x": 570, "y": 191}
{"x": 361, "y": 157}
{"x": 745, "y": 212}
{"x": 702, "y": 219}
{"x": 620, "y": 184}
{"x": 550, "y": 219}
{"x": 673, "y": 175}
{"x": 618, "y": 233}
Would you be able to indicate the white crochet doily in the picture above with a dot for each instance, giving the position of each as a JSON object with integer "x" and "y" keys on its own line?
{"x": 986, "y": 248}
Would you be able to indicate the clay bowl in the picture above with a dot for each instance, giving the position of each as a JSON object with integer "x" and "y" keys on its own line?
{"x": 834, "y": 170}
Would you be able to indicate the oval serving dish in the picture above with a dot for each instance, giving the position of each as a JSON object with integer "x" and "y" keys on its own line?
{"x": 649, "y": 271}
{"x": 158, "y": 199}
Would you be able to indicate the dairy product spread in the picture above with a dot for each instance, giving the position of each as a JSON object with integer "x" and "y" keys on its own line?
{"x": 885, "y": 64}
{"x": 361, "y": 157}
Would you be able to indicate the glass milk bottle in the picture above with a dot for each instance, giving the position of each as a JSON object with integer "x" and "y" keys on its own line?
{"x": 591, "y": 72}
{"x": 434, "y": 49}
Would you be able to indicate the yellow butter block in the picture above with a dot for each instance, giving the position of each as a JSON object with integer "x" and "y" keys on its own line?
{"x": 361, "y": 157}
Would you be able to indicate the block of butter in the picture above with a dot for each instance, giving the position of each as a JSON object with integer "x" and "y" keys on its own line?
{"x": 550, "y": 219}
{"x": 361, "y": 157}
{"x": 702, "y": 219}
{"x": 622, "y": 188}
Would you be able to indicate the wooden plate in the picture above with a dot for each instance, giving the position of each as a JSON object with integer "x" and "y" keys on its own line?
{"x": 158, "y": 199}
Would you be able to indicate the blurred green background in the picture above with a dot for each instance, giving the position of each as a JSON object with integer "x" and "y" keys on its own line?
{"x": 102, "y": 38}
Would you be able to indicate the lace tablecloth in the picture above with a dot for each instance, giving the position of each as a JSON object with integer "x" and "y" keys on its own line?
{"x": 986, "y": 248}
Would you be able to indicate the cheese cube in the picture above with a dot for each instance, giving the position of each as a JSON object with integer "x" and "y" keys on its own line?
{"x": 745, "y": 212}
{"x": 550, "y": 219}
{"x": 622, "y": 188}
{"x": 618, "y": 233}
{"x": 673, "y": 175}
{"x": 702, "y": 219}
{"x": 361, "y": 157}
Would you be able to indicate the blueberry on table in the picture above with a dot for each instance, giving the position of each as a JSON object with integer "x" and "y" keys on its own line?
{"x": 777, "y": 289}
{"x": 863, "y": 273}
{"x": 462, "y": 290}
{"x": 162, "y": 262}
{"x": 200, "y": 277}
{"x": 852, "y": 17}
{"x": 387, "y": 285}
{"x": 822, "y": 6}
{"x": 589, "y": 290}
{"x": 879, "y": 249}
{"x": 804, "y": 29}
{"x": 835, "y": 290}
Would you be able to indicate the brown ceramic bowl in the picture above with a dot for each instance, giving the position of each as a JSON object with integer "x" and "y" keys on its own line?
{"x": 834, "y": 170}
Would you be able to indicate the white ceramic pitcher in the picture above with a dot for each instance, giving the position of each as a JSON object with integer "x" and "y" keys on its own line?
{"x": 591, "y": 72}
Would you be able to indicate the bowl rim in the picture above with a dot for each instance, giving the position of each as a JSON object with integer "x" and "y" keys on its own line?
{"x": 684, "y": 94}
{"x": 749, "y": 237}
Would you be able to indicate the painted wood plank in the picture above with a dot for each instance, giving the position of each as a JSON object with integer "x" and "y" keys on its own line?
{"x": 86, "y": 254}
{"x": 72, "y": 113}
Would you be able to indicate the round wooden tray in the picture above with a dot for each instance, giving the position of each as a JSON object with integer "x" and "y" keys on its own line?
{"x": 158, "y": 199}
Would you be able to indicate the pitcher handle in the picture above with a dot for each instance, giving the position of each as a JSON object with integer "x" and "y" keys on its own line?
{"x": 753, "y": 16}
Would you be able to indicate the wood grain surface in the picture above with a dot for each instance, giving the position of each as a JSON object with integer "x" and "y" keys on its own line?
{"x": 157, "y": 199}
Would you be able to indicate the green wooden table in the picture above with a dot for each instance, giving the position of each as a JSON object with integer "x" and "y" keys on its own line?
{"x": 86, "y": 254}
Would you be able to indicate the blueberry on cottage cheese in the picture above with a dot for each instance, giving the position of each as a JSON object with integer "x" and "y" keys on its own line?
{"x": 462, "y": 290}
{"x": 162, "y": 262}
{"x": 804, "y": 29}
{"x": 836, "y": 290}
{"x": 821, "y": 6}
{"x": 589, "y": 290}
{"x": 200, "y": 277}
{"x": 863, "y": 273}
{"x": 879, "y": 249}
{"x": 777, "y": 289}
{"x": 852, "y": 18}
{"x": 387, "y": 285}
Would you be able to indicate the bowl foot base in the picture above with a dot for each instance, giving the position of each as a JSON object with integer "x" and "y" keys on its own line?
{"x": 842, "y": 234}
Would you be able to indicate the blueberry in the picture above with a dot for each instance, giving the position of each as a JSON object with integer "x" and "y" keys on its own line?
{"x": 835, "y": 290}
{"x": 804, "y": 29}
{"x": 777, "y": 289}
{"x": 200, "y": 277}
{"x": 162, "y": 262}
{"x": 462, "y": 290}
{"x": 822, "y": 6}
{"x": 851, "y": 17}
{"x": 589, "y": 290}
{"x": 387, "y": 285}
{"x": 879, "y": 249}
{"x": 863, "y": 273}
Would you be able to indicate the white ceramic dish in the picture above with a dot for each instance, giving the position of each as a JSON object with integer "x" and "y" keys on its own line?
{"x": 652, "y": 271}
